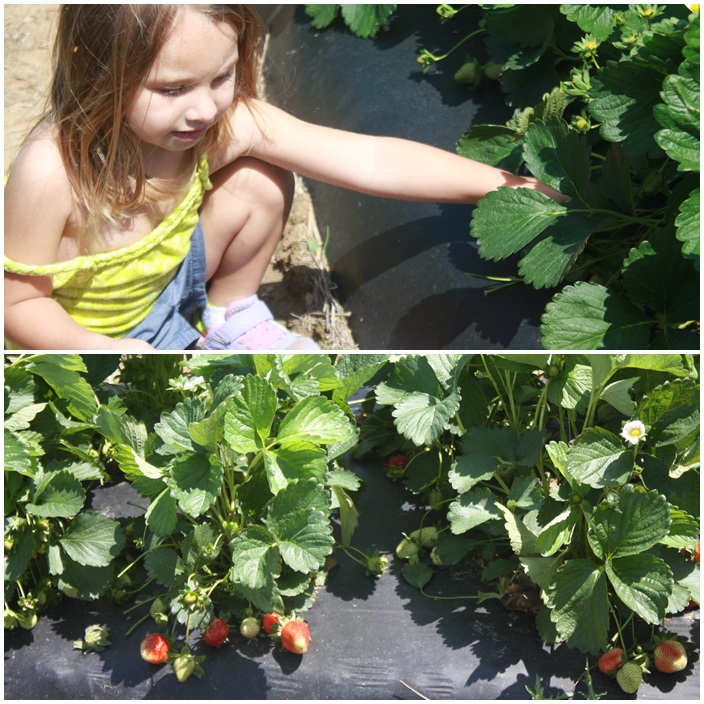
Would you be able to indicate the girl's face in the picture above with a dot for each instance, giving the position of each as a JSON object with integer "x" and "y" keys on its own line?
{"x": 190, "y": 86}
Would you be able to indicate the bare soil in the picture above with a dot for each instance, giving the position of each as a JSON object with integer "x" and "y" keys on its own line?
{"x": 297, "y": 285}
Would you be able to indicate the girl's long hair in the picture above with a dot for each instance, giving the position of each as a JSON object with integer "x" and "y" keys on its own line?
{"x": 102, "y": 55}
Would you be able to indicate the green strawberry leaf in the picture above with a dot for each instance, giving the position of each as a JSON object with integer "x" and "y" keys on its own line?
{"x": 322, "y": 16}
{"x": 293, "y": 461}
{"x": 597, "y": 20}
{"x": 17, "y": 560}
{"x": 90, "y": 582}
{"x": 580, "y": 605}
{"x": 623, "y": 99}
{"x": 684, "y": 530}
{"x": 484, "y": 450}
{"x": 61, "y": 372}
{"x": 256, "y": 559}
{"x": 628, "y": 524}
{"x": 161, "y": 514}
{"x": 679, "y": 117}
{"x": 521, "y": 538}
{"x": 573, "y": 387}
{"x": 57, "y": 495}
{"x": 423, "y": 470}
{"x": 590, "y": 317}
{"x": 599, "y": 458}
{"x": 507, "y": 220}
{"x": 195, "y": 482}
{"x": 688, "y": 227}
{"x": 173, "y": 427}
{"x": 250, "y": 415}
{"x": 494, "y": 145}
{"x": 553, "y": 254}
{"x": 317, "y": 420}
{"x": 18, "y": 457}
{"x": 643, "y": 583}
{"x": 93, "y": 539}
{"x": 656, "y": 275}
{"x": 672, "y": 412}
{"x": 472, "y": 509}
{"x": 304, "y": 539}
{"x": 165, "y": 567}
{"x": 559, "y": 157}
{"x": 365, "y": 20}
{"x": 417, "y": 574}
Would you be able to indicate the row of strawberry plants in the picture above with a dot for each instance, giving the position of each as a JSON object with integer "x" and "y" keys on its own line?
{"x": 234, "y": 461}
{"x": 605, "y": 105}
{"x": 571, "y": 481}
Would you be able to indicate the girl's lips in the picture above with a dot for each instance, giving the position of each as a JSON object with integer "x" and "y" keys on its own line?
{"x": 190, "y": 136}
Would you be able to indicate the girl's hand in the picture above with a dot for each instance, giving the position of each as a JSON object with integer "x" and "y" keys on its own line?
{"x": 535, "y": 185}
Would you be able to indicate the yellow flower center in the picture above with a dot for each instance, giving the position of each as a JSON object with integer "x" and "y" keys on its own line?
{"x": 635, "y": 432}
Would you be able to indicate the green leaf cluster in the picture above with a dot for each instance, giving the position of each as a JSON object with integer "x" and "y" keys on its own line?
{"x": 53, "y": 542}
{"x": 366, "y": 21}
{"x": 616, "y": 130}
{"x": 242, "y": 480}
{"x": 533, "y": 472}
{"x": 605, "y": 105}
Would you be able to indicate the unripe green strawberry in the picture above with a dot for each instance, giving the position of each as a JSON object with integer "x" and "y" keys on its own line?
{"x": 295, "y": 636}
{"x": 183, "y": 667}
{"x": 425, "y": 537}
{"x": 376, "y": 564}
{"x": 470, "y": 73}
{"x": 670, "y": 656}
{"x": 250, "y": 627}
{"x": 158, "y": 611}
{"x": 28, "y": 620}
{"x": 611, "y": 660}
{"x": 407, "y": 549}
{"x": 493, "y": 71}
{"x": 630, "y": 677}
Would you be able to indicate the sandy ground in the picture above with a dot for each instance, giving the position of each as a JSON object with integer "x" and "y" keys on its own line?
{"x": 296, "y": 287}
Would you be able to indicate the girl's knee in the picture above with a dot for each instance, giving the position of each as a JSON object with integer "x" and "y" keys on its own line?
{"x": 256, "y": 185}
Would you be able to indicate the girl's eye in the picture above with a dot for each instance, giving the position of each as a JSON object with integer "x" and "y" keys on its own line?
{"x": 225, "y": 76}
{"x": 172, "y": 92}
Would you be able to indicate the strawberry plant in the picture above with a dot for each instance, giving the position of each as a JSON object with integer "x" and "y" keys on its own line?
{"x": 55, "y": 544}
{"x": 606, "y": 110}
{"x": 363, "y": 20}
{"x": 605, "y": 103}
{"x": 240, "y": 480}
{"x": 570, "y": 481}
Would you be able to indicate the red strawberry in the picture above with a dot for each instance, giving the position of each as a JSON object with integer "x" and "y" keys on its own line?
{"x": 216, "y": 633}
{"x": 154, "y": 649}
{"x": 396, "y": 467}
{"x": 670, "y": 656}
{"x": 270, "y": 623}
{"x": 611, "y": 660}
{"x": 295, "y": 637}
{"x": 696, "y": 554}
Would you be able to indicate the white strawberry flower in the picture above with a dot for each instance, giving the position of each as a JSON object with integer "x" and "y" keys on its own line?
{"x": 633, "y": 432}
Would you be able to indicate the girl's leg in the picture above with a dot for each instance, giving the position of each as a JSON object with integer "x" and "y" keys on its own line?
{"x": 243, "y": 218}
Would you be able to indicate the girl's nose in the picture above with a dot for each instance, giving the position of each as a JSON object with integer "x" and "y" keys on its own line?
{"x": 203, "y": 109}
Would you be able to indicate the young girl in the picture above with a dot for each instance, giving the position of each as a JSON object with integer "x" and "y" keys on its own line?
{"x": 154, "y": 192}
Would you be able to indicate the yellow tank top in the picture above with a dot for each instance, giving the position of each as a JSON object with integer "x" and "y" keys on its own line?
{"x": 111, "y": 292}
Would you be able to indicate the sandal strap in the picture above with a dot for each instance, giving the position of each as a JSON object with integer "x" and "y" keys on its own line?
{"x": 225, "y": 337}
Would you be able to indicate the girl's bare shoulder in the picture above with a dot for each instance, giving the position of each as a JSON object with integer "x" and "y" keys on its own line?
{"x": 38, "y": 172}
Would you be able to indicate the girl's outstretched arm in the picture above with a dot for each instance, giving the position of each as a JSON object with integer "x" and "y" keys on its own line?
{"x": 380, "y": 166}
